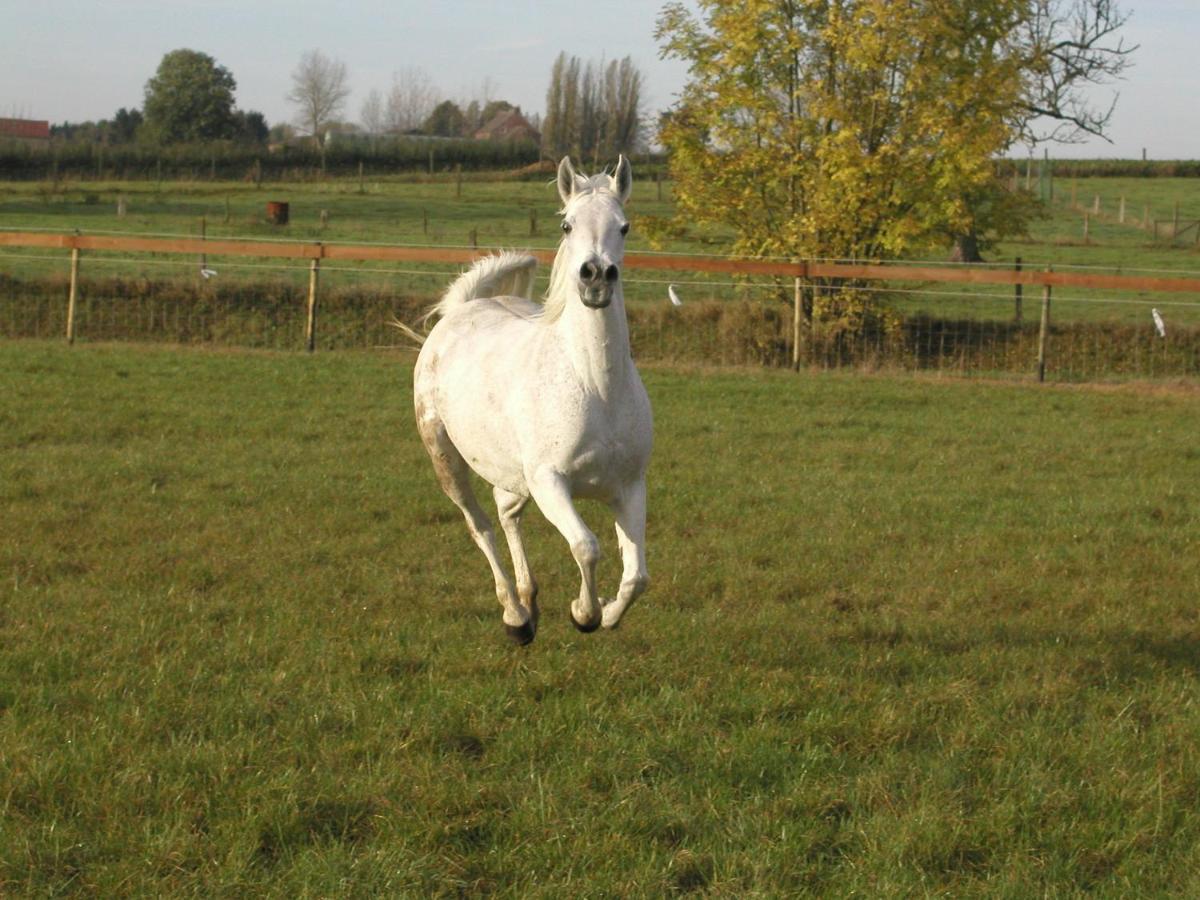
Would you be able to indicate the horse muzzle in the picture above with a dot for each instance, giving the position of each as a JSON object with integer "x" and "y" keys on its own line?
{"x": 596, "y": 283}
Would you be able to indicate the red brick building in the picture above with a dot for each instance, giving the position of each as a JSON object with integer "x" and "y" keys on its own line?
{"x": 26, "y": 131}
{"x": 508, "y": 125}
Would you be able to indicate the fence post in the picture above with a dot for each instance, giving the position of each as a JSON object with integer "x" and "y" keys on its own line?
{"x": 1175, "y": 221}
{"x": 72, "y": 293}
{"x": 797, "y": 316}
{"x": 1121, "y": 214}
{"x": 1086, "y": 223}
{"x": 1044, "y": 332}
{"x": 203, "y": 237}
{"x": 1017, "y": 291}
{"x": 310, "y": 326}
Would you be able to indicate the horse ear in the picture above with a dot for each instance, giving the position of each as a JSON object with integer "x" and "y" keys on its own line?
{"x": 566, "y": 179}
{"x": 623, "y": 179}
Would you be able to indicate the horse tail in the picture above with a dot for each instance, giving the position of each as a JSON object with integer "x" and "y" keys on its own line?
{"x": 506, "y": 274}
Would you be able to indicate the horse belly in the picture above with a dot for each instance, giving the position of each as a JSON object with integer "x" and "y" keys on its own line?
{"x": 469, "y": 393}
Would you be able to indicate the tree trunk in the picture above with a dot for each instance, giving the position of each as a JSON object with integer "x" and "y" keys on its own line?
{"x": 966, "y": 249}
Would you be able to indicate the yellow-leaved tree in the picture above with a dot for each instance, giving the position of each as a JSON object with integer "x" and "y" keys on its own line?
{"x": 851, "y": 129}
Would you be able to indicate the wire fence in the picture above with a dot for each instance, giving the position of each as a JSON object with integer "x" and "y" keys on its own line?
{"x": 727, "y": 316}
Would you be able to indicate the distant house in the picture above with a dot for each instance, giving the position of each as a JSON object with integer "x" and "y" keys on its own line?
{"x": 508, "y": 125}
{"x": 25, "y": 131}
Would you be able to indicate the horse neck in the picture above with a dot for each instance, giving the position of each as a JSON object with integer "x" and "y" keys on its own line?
{"x": 596, "y": 342}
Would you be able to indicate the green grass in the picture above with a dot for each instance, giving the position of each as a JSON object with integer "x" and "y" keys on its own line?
{"x": 437, "y": 211}
{"x": 405, "y": 211}
{"x": 904, "y": 637}
{"x": 390, "y": 210}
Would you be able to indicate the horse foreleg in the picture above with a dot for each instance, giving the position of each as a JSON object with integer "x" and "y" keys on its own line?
{"x": 454, "y": 476}
{"x": 511, "y": 506}
{"x": 554, "y": 500}
{"x": 630, "y": 512}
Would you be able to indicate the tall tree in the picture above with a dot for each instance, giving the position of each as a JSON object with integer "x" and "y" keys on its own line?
{"x": 190, "y": 98}
{"x": 125, "y": 125}
{"x": 554, "y": 141}
{"x": 1068, "y": 47}
{"x": 252, "y": 127}
{"x": 1064, "y": 50}
{"x": 846, "y": 128}
{"x": 593, "y": 111}
{"x": 446, "y": 120}
{"x": 623, "y": 106}
{"x": 410, "y": 100}
{"x": 371, "y": 114}
{"x": 319, "y": 90}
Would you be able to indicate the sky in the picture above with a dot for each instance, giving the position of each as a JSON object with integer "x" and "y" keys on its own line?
{"x": 69, "y": 60}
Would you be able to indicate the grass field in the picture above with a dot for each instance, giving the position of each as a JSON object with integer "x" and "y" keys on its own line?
{"x": 904, "y": 637}
{"x": 497, "y": 213}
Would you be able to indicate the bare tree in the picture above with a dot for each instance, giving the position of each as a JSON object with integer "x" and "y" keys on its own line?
{"x": 371, "y": 114}
{"x": 410, "y": 100}
{"x": 476, "y": 105}
{"x": 319, "y": 90}
{"x": 1069, "y": 46}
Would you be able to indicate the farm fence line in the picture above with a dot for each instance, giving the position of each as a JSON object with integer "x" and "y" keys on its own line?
{"x": 830, "y": 315}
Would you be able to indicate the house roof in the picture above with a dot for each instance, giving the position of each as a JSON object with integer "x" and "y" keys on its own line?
{"x": 25, "y": 128}
{"x": 506, "y": 123}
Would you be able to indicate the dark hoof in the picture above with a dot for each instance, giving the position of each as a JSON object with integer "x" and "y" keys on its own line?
{"x": 586, "y": 628}
{"x": 520, "y": 634}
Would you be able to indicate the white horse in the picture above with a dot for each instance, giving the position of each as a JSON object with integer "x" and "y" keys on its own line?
{"x": 544, "y": 400}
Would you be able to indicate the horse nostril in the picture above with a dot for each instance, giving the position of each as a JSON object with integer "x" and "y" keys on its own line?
{"x": 588, "y": 272}
{"x": 611, "y": 274}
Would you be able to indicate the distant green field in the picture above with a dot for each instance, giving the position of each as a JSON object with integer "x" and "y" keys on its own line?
{"x": 260, "y": 302}
{"x": 497, "y": 214}
{"x": 904, "y": 637}
{"x": 400, "y": 211}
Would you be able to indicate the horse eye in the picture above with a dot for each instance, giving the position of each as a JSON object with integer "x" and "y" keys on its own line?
{"x": 566, "y": 227}
{"x": 625, "y": 228}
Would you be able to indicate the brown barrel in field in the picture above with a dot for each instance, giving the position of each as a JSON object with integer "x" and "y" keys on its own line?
{"x": 277, "y": 212}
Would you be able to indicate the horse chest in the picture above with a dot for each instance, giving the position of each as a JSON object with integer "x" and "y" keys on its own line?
{"x": 605, "y": 449}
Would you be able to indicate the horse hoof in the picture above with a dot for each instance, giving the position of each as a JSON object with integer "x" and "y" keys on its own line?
{"x": 520, "y": 634}
{"x": 586, "y": 628}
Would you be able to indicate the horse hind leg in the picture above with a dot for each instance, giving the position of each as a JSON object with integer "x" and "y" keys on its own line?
{"x": 454, "y": 476}
{"x": 511, "y": 506}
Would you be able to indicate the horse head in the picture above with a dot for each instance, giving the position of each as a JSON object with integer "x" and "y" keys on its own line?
{"x": 594, "y": 226}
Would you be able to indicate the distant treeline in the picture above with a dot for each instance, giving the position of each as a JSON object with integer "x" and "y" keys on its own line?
{"x": 230, "y": 161}
{"x": 1106, "y": 168}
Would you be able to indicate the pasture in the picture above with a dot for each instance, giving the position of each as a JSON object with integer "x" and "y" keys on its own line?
{"x": 260, "y": 303}
{"x": 904, "y": 636}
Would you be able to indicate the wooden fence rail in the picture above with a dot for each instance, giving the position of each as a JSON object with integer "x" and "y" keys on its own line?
{"x": 801, "y": 271}
{"x": 805, "y": 269}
